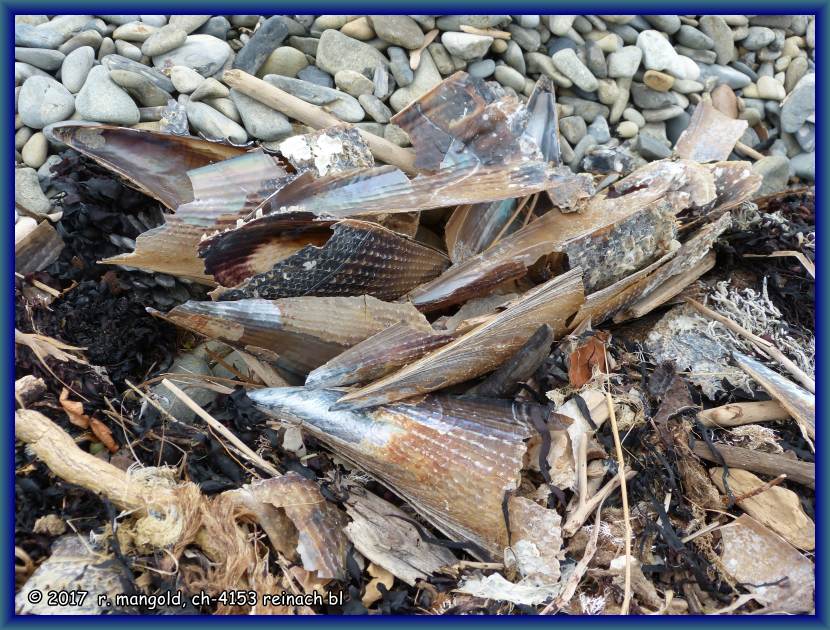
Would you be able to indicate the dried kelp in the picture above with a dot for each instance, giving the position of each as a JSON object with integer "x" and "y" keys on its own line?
{"x": 155, "y": 163}
{"x": 299, "y": 330}
{"x": 483, "y": 348}
{"x": 359, "y": 258}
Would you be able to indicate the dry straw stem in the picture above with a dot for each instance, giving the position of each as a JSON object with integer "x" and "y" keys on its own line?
{"x": 748, "y": 151}
{"x": 315, "y": 117}
{"x": 761, "y": 344}
{"x": 217, "y": 426}
{"x": 624, "y": 491}
{"x": 808, "y": 264}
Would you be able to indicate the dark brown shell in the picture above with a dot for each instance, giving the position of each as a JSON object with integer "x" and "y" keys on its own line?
{"x": 360, "y": 258}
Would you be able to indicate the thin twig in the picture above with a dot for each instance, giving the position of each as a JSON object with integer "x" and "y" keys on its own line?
{"x": 756, "y": 491}
{"x": 217, "y": 426}
{"x": 761, "y": 344}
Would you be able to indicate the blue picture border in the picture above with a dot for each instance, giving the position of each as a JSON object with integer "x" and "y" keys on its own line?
{"x": 7, "y": 12}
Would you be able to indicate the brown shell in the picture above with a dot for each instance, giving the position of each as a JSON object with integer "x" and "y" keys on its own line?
{"x": 359, "y": 258}
{"x": 472, "y": 228}
{"x": 451, "y": 459}
{"x": 321, "y": 542}
{"x": 299, "y": 330}
{"x": 512, "y": 255}
{"x": 385, "y": 189}
{"x": 734, "y": 183}
{"x": 710, "y": 136}
{"x": 155, "y": 163}
{"x": 379, "y": 355}
{"x": 483, "y": 348}
{"x": 37, "y": 249}
{"x": 225, "y": 193}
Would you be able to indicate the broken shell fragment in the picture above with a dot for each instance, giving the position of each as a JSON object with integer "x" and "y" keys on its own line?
{"x": 299, "y": 330}
{"x": 380, "y": 532}
{"x": 452, "y": 459}
{"x": 379, "y": 355}
{"x": 466, "y": 119}
{"x": 800, "y": 403}
{"x": 779, "y": 575}
{"x": 710, "y": 136}
{"x": 482, "y": 349}
{"x": 359, "y": 258}
{"x": 321, "y": 542}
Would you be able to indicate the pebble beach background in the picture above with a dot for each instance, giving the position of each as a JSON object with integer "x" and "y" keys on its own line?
{"x": 621, "y": 79}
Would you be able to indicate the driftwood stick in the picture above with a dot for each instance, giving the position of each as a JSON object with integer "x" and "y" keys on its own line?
{"x": 56, "y": 448}
{"x": 315, "y": 116}
{"x": 748, "y": 151}
{"x": 739, "y": 414}
{"x": 800, "y": 472}
{"x": 520, "y": 367}
{"x": 758, "y": 342}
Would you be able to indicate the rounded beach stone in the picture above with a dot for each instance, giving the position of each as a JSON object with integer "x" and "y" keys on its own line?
{"x": 44, "y": 101}
{"x": 101, "y": 100}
